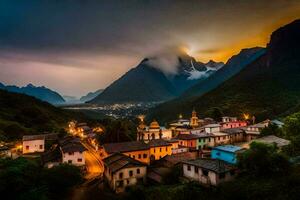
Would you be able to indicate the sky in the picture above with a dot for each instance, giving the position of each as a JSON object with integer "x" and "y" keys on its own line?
{"x": 78, "y": 46}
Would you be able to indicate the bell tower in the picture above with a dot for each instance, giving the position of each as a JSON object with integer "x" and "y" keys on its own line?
{"x": 194, "y": 119}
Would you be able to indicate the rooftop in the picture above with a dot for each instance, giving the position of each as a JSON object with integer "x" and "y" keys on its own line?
{"x": 125, "y": 146}
{"x": 188, "y": 136}
{"x": 48, "y": 136}
{"x": 73, "y": 147}
{"x": 229, "y": 148}
{"x": 158, "y": 143}
{"x": 215, "y": 165}
{"x": 233, "y": 130}
{"x": 212, "y": 126}
{"x": 119, "y": 161}
{"x": 271, "y": 139}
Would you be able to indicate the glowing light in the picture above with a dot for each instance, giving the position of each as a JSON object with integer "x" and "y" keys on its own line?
{"x": 246, "y": 116}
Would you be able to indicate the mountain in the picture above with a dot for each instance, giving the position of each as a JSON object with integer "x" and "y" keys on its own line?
{"x": 71, "y": 100}
{"x": 41, "y": 93}
{"x": 155, "y": 79}
{"x": 90, "y": 95}
{"x": 233, "y": 66}
{"x": 267, "y": 87}
{"x": 21, "y": 114}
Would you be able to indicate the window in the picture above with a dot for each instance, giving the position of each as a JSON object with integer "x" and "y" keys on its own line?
{"x": 127, "y": 182}
{"x": 70, "y": 161}
{"x": 120, "y": 175}
{"x": 208, "y": 139}
{"x": 166, "y": 148}
{"x": 154, "y": 150}
{"x": 79, "y": 160}
{"x": 27, "y": 147}
{"x": 218, "y": 153}
{"x": 196, "y": 170}
{"x": 159, "y": 149}
{"x": 204, "y": 172}
{"x": 138, "y": 171}
{"x": 41, "y": 146}
{"x": 120, "y": 183}
{"x": 189, "y": 168}
{"x": 222, "y": 175}
{"x": 71, "y": 153}
{"x": 140, "y": 156}
{"x": 130, "y": 173}
{"x": 224, "y": 137}
{"x": 145, "y": 155}
{"x": 133, "y": 156}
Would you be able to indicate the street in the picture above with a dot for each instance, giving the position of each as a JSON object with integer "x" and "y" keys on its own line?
{"x": 93, "y": 162}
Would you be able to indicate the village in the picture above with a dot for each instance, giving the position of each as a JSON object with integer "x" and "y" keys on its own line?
{"x": 204, "y": 150}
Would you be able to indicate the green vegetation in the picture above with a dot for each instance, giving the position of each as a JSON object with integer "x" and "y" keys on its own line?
{"x": 118, "y": 130}
{"x": 21, "y": 114}
{"x": 26, "y": 179}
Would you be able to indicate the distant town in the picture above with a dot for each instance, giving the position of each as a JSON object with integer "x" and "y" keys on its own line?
{"x": 205, "y": 149}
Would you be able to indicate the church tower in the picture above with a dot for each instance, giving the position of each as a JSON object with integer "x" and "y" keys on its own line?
{"x": 194, "y": 119}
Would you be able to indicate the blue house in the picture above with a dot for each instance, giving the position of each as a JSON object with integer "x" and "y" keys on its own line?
{"x": 227, "y": 153}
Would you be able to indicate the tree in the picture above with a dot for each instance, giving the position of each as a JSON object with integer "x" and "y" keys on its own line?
{"x": 263, "y": 160}
{"x": 272, "y": 129}
{"x": 291, "y": 126}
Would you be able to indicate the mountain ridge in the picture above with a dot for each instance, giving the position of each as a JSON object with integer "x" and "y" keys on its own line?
{"x": 265, "y": 88}
{"x": 41, "y": 92}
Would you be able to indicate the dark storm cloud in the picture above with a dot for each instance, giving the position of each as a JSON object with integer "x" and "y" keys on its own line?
{"x": 87, "y": 44}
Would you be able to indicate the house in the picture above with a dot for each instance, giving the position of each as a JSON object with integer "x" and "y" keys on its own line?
{"x": 36, "y": 143}
{"x": 253, "y": 131}
{"x": 152, "y": 132}
{"x": 205, "y": 140}
{"x": 208, "y": 172}
{"x": 212, "y": 128}
{"x": 137, "y": 150}
{"x": 188, "y": 140}
{"x": 277, "y": 123}
{"x": 235, "y": 135}
{"x": 176, "y": 148}
{"x": 121, "y": 171}
{"x": 73, "y": 152}
{"x": 33, "y": 143}
{"x": 221, "y": 138}
{"x": 177, "y": 159}
{"x": 232, "y": 122}
{"x": 227, "y": 153}
{"x": 158, "y": 174}
{"x": 159, "y": 149}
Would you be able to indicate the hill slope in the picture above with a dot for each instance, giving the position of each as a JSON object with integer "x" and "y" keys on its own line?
{"x": 234, "y": 65}
{"x": 90, "y": 95}
{"x": 41, "y": 93}
{"x": 267, "y": 87}
{"x": 21, "y": 114}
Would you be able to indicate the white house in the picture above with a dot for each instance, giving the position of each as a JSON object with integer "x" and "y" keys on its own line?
{"x": 209, "y": 172}
{"x": 33, "y": 143}
{"x": 73, "y": 152}
{"x": 212, "y": 128}
{"x": 121, "y": 171}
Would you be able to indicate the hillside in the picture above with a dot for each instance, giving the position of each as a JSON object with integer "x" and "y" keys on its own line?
{"x": 233, "y": 66}
{"x": 41, "y": 93}
{"x": 90, "y": 95}
{"x": 21, "y": 114}
{"x": 267, "y": 87}
{"x": 149, "y": 82}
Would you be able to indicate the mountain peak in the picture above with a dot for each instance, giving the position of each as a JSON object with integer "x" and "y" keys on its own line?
{"x": 30, "y": 85}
